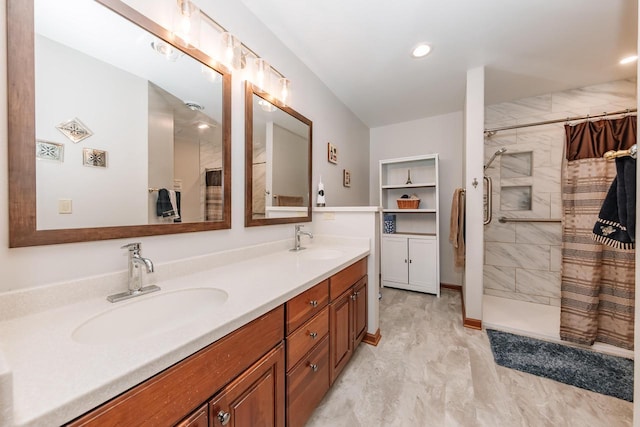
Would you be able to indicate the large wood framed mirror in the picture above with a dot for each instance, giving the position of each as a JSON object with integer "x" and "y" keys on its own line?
{"x": 277, "y": 161}
{"x": 113, "y": 131}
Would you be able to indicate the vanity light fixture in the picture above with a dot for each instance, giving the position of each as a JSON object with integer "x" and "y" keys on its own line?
{"x": 285, "y": 89}
{"x": 262, "y": 74}
{"x": 629, "y": 59}
{"x": 266, "y": 106}
{"x": 210, "y": 74}
{"x": 166, "y": 50}
{"x": 186, "y": 24}
{"x": 421, "y": 50}
{"x": 233, "y": 56}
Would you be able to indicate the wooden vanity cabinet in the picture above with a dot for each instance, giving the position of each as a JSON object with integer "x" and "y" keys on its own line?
{"x": 347, "y": 314}
{"x": 170, "y": 396}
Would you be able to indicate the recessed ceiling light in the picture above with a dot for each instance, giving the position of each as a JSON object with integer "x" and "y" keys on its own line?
{"x": 629, "y": 59}
{"x": 421, "y": 50}
{"x": 203, "y": 125}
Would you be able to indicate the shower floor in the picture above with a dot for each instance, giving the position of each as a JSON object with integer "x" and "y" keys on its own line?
{"x": 533, "y": 320}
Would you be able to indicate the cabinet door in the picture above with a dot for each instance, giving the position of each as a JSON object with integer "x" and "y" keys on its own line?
{"x": 255, "y": 398}
{"x": 199, "y": 418}
{"x": 423, "y": 258}
{"x": 395, "y": 259}
{"x": 341, "y": 333}
{"x": 360, "y": 310}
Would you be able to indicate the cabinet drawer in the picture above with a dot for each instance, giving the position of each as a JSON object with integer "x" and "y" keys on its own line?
{"x": 344, "y": 279}
{"x": 307, "y": 385}
{"x": 306, "y": 336}
{"x": 306, "y": 305}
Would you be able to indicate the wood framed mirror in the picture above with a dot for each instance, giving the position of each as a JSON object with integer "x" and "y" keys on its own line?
{"x": 278, "y": 143}
{"x": 104, "y": 112}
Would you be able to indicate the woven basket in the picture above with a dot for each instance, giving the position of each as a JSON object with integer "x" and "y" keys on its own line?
{"x": 408, "y": 203}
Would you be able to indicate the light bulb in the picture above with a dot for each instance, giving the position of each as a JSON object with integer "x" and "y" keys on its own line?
{"x": 262, "y": 74}
{"x": 186, "y": 23}
{"x": 230, "y": 45}
{"x": 284, "y": 90}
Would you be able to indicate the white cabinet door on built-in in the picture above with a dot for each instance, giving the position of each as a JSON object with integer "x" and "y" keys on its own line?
{"x": 395, "y": 260}
{"x": 423, "y": 255}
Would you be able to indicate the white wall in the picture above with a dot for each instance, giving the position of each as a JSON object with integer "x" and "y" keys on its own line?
{"x": 27, "y": 267}
{"x": 439, "y": 134}
{"x": 73, "y": 83}
{"x": 474, "y": 155}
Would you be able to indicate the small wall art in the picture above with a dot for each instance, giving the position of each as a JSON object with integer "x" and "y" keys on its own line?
{"x": 75, "y": 130}
{"x": 346, "y": 178}
{"x": 94, "y": 158}
{"x": 49, "y": 151}
{"x": 332, "y": 153}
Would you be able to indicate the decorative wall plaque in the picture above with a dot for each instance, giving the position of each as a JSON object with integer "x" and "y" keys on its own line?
{"x": 93, "y": 157}
{"x": 75, "y": 130}
{"x": 49, "y": 150}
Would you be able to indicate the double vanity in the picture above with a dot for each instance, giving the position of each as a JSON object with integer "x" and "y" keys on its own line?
{"x": 258, "y": 336}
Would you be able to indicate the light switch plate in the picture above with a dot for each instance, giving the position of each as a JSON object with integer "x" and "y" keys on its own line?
{"x": 64, "y": 206}
{"x": 329, "y": 216}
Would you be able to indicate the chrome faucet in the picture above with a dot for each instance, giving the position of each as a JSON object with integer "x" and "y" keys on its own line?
{"x": 298, "y": 233}
{"x": 134, "y": 275}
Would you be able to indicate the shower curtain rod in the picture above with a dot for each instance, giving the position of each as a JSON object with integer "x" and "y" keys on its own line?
{"x": 490, "y": 132}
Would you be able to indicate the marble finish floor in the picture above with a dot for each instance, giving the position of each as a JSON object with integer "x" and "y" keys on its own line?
{"x": 428, "y": 370}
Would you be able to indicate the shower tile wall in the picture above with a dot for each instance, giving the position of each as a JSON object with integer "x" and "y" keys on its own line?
{"x": 523, "y": 260}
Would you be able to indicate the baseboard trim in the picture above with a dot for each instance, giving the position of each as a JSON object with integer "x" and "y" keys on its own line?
{"x": 466, "y": 321}
{"x": 372, "y": 339}
{"x": 451, "y": 286}
{"x": 472, "y": 323}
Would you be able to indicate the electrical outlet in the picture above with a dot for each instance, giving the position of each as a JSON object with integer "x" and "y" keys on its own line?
{"x": 64, "y": 206}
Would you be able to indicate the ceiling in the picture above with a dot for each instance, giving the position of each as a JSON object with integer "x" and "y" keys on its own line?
{"x": 361, "y": 48}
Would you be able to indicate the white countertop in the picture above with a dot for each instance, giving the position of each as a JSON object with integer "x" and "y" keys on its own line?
{"x": 50, "y": 379}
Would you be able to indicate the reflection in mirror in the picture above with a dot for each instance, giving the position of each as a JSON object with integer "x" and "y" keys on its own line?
{"x": 118, "y": 133}
{"x": 278, "y": 162}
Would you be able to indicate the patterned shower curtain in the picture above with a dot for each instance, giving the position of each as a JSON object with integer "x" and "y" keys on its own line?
{"x": 598, "y": 281}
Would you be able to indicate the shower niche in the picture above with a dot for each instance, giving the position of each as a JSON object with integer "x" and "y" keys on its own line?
{"x": 516, "y": 165}
{"x": 516, "y": 176}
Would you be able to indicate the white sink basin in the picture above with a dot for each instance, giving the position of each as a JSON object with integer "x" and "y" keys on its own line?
{"x": 321, "y": 254}
{"x": 149, "y": 315}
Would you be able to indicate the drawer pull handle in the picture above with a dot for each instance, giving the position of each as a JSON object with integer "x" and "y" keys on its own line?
{"x": 354, "y": 296}
{"x": 313, "y": 303}
{"x": 313, "y": 335}
{"x": 224, "y": 417}
{"x": 313, "y": 367}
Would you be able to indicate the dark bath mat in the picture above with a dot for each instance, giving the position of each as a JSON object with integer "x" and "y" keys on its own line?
{"x": 602, "y": 373}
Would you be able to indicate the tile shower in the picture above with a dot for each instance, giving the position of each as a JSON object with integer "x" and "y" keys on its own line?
{"x": 522, "y": 261}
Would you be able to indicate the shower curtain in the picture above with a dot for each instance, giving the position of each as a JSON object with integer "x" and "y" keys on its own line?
{"x": 598, "y": 281}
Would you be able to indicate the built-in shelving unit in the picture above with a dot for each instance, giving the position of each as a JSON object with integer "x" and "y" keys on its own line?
{"x": 410, "y": 255}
